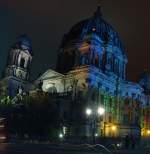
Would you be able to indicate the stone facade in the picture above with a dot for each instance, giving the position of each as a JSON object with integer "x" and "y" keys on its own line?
{"x": 16, "y": 74}
{"x": 92, "y": 62}
{"x": 91, "y": 66}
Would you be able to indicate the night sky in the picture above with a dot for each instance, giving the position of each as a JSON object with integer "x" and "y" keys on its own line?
{"x": 45, "y": 21}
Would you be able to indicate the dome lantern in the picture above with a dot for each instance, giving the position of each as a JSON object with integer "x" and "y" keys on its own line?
{"x": 98, "y": 11}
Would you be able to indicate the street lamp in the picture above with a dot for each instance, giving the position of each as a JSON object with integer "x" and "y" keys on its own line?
{"x": 88, "y": 111}
{"x": 101, "y": 111}
{"x": 94, "y": 114}
{"x": 61, "y": 135}
{"x": 96, "y": 135}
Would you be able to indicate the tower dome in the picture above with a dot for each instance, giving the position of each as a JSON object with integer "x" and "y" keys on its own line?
{"x": 101, "y": 40}
{"x": 96, "y": 25}
{"x": 24, "y": 43}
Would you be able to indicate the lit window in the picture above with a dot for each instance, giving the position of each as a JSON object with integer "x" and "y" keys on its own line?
{"x": 93, "y": 29}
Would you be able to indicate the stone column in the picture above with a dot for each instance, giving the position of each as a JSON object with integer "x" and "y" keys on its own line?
{"x": 100, "y": 58}
{"x": 117, "y": 66}
{"x": 91, "y": 56}
{"x": 18, "y": 60}
{"x": 108, "y": 61}
{"x": 26, "y": 63}
{"x": 111, "y": 63}
{"x": 123, "y": 70}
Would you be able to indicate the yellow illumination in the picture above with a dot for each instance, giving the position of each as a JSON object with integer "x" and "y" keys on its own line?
{"x": 113, "y": 128}
{"x": 148, "y": 132}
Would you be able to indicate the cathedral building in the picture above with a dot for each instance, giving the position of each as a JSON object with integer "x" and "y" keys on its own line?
{"x": 91, "y": 66}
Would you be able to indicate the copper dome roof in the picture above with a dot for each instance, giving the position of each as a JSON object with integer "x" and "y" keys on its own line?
{"x": 96, "y": 24}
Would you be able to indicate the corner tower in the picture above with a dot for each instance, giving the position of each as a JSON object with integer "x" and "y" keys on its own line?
{"x": 17, "y": 72}
{"x": 19, "y": 59}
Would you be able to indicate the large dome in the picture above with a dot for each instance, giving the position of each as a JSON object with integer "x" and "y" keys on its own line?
{"x": 93, "y": 42}
{"x": 96, "y": 24}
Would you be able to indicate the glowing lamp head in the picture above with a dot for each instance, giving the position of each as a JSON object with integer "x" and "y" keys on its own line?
{"x": 101, "y": 111}
{"x": 93, "y": 29}
{"x": 113, "y": 128}
{"x": 61, "y": 136}
{"x": 96, "y": 135}
{"x": 118, "y": 144}
{"x": 88, "y": 111}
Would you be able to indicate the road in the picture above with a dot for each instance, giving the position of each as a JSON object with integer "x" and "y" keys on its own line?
{"x": 43, "y": 149}
{"x": 132, "y": 152}
{"x": 48, "y": 149}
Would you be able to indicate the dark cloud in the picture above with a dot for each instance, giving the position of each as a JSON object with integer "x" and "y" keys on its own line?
{"x": 46, "y": 21}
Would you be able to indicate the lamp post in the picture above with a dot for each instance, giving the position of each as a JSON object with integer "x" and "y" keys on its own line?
{"x": 94, "y": 114}
{"x": 61, "y": 137}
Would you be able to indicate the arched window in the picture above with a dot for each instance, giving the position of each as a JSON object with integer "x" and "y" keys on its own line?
{"x": 22, "y": 62}
{"x": 52, "y": 90}
{"x": 97, "y": 60}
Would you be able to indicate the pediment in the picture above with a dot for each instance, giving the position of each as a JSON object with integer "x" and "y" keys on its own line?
{"x": 49, "y": 74}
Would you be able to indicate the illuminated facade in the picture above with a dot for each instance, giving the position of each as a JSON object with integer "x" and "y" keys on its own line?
{"x": 145, "y": 116}
{"x": 91, "y": 66}
{"x": 16, "y": 74}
